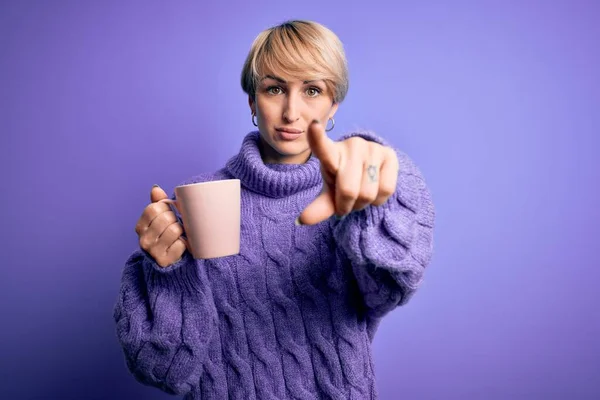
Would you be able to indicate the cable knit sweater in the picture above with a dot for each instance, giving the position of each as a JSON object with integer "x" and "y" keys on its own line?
{"x": 294, "y": 314}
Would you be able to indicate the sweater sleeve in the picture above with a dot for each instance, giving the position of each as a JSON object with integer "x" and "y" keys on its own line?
{"x": 389, "y": 246}
{"x": 165, "y": 318}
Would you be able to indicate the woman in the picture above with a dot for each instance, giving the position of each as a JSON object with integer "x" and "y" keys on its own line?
{"x": 334, "y": 235}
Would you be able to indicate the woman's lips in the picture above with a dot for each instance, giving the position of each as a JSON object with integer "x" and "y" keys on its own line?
{"x": 289, "y": 130}
{"x": 289, "y": 134}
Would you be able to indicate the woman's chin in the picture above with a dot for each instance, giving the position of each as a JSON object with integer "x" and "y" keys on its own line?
{"x": 290, "y": 147}
{"x": 294, "y": 151}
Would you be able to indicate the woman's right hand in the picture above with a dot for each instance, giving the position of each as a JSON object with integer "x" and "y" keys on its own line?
{"x": 159, "y": 231}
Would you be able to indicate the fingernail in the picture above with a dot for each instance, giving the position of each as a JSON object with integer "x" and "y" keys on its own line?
{"x": 155, "y": 185}
{"x": 297, "y": 222}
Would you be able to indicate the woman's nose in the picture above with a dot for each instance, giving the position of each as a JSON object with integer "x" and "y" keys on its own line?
{"x": 290, "y": 111}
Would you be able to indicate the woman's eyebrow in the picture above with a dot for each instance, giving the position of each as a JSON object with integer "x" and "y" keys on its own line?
{"x": 281, "y": 80}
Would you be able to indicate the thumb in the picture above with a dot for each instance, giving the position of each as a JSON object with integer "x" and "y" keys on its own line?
{"x": 319, "y": 210}
{"x": 157, "y": 194}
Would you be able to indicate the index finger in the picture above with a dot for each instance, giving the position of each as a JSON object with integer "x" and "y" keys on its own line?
{"x": 322, "y": 146}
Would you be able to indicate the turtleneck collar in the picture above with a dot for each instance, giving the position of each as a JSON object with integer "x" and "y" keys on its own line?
{"x": 272, "y": 180}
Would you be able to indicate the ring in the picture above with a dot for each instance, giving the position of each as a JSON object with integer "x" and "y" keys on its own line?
{"x": 372, "y": 173}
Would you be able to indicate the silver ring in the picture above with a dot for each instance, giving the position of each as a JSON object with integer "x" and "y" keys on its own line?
{"x": 372, "y": 172}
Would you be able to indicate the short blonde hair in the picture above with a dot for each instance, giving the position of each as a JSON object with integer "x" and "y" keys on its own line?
{"x": 298, "y": 49}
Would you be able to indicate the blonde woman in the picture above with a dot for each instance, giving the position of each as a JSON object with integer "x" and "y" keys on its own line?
{"x": 335, "y": 234}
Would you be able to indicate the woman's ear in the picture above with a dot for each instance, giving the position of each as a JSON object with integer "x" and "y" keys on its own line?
{"x": 252, "y": 104}
{"x": 333, "y": 110}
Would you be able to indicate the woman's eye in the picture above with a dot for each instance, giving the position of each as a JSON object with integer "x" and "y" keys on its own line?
{"x": 313, "y": 92}
{"x": 274, "y": 90}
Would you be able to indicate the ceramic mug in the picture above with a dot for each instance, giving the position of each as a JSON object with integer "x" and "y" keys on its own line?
{"x": 210, "y": 212}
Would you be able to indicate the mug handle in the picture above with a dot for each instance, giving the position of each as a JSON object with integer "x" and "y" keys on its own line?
{"x": 174, "y": 205}
{"x": 170, "y": 201}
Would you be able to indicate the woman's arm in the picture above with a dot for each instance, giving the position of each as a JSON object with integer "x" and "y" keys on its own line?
{"x": 389, "y": 246}
{"x": 165, "y": 318}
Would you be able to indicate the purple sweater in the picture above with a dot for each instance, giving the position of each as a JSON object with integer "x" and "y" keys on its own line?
{"x": 294, "y": 314}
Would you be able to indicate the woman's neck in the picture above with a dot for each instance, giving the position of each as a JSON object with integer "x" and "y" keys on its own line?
{"x": 275, "y": 180}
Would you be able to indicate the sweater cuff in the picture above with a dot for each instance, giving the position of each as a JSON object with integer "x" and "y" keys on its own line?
{"x": 186, "y": 258}
{"x": 369, "y": 235}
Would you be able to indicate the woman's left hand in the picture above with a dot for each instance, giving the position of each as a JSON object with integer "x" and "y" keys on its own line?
{"x": 356, "y": 173}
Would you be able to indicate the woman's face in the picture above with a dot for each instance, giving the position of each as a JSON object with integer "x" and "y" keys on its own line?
{"x": 284, "y": 109}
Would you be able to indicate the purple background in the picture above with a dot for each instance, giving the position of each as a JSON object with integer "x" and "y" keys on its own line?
{"x": 498, "y": 103}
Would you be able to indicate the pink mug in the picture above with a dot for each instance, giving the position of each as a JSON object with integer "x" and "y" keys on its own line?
{"x": 211, "y": 216}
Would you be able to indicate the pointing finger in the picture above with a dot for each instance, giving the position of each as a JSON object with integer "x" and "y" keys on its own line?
{"x": 323, "y": 147}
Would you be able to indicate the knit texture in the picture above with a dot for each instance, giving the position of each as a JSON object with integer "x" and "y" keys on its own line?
{"x": 294, "y": 314}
